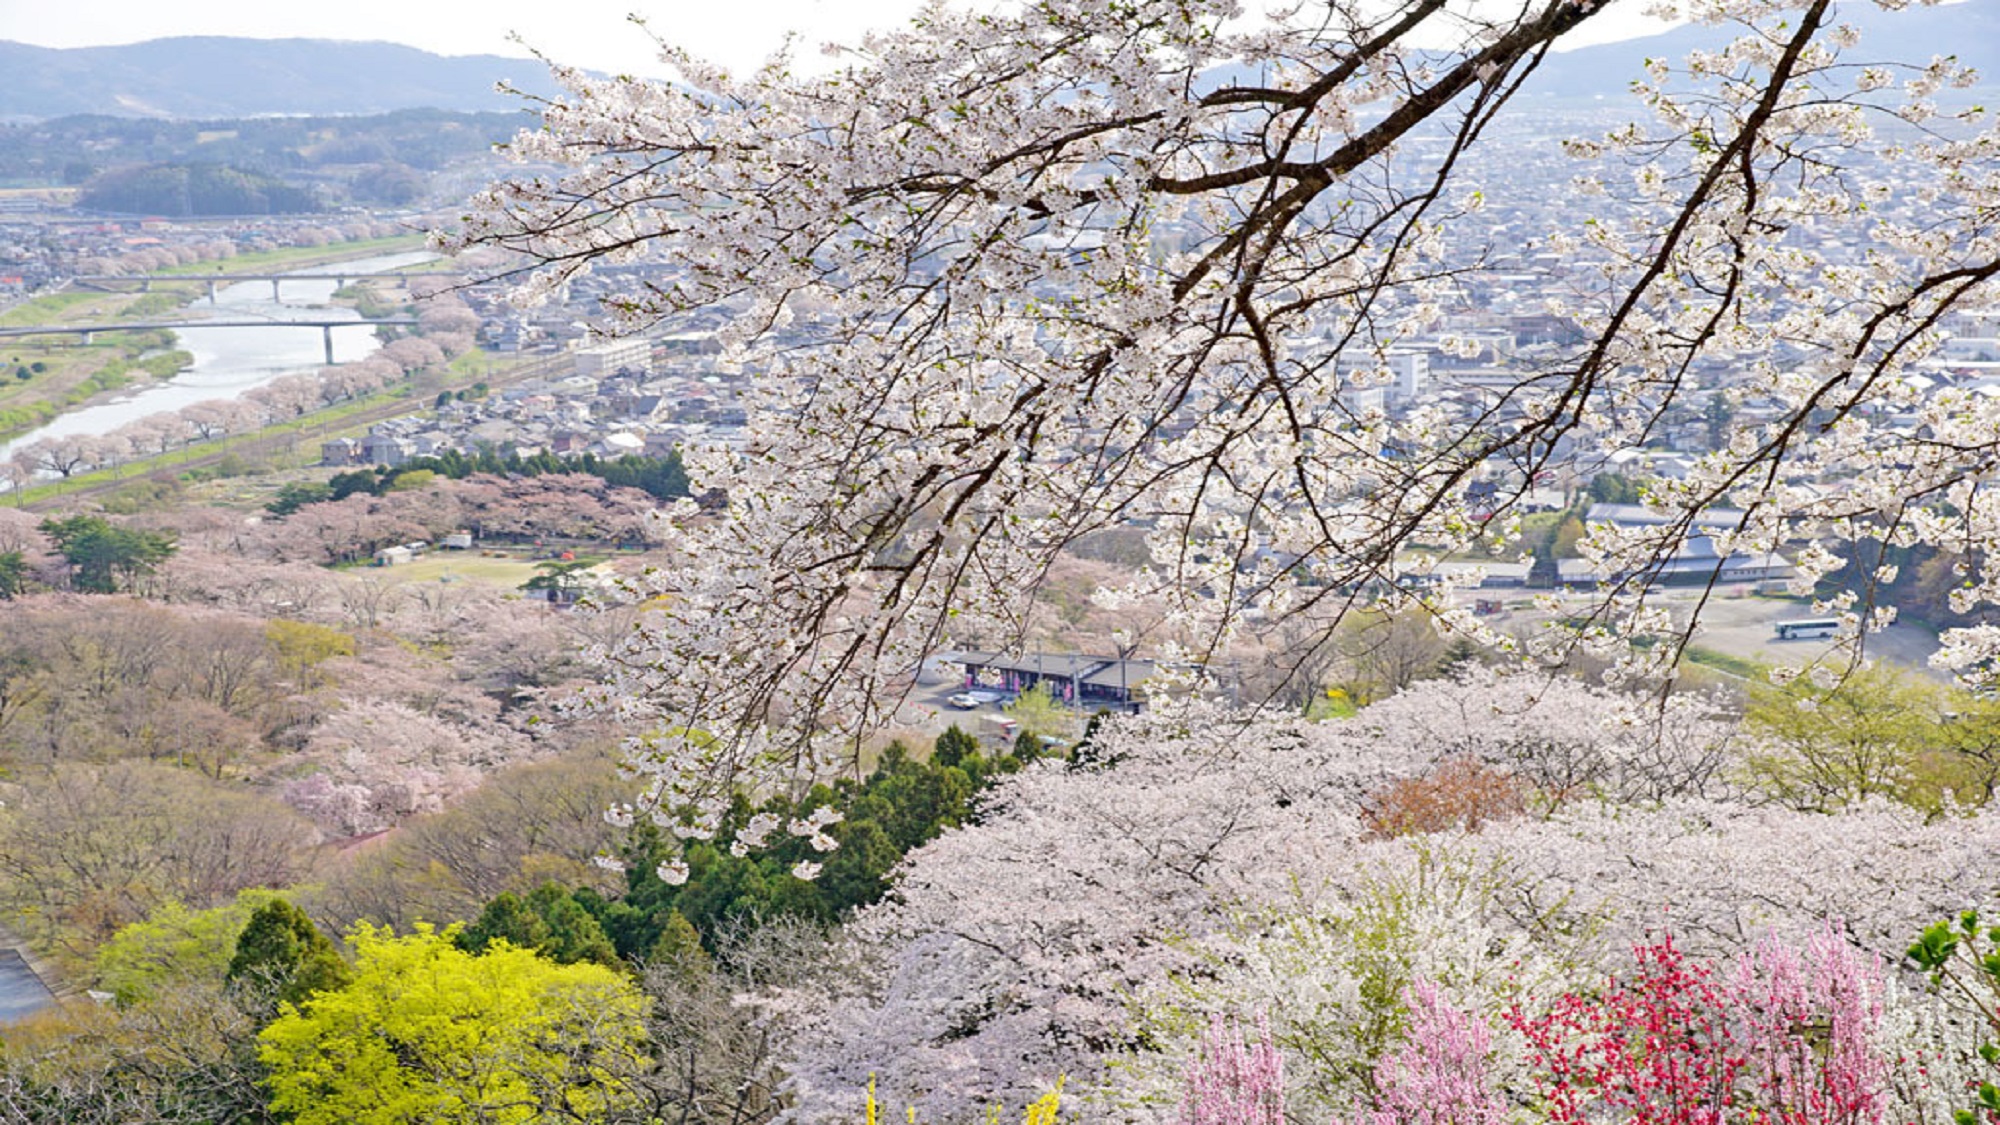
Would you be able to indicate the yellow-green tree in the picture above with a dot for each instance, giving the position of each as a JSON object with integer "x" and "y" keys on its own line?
{"x": 1879, "y": 731}
{"x": 427, "y": 1032}
{"x": 173, "y": 945}
{"x": 1039, "y": 714}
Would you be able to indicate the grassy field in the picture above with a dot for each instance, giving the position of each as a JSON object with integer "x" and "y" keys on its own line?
{"x": 56, "y": 306}
{"x": 1738, "y": 667}
{"x": 300, "y": 257}
{"x": 63, "y": 372}
{"x": 460, "y": 566}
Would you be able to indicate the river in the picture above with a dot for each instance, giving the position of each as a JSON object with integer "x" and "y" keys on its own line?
{"x": 231, "y": 361}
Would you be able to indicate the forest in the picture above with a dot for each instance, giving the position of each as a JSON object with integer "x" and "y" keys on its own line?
{"x": 254, "y": 166}
{"x": 183, "y": 191}
{"x": 337, "y": 815}
{"x": 210, "y": 734}
{"x": 247, "y": 783}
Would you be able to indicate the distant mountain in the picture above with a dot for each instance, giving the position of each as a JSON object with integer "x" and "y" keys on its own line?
{"x": 385, "y": 155}
{"x": 1970, "y": 30}
{"x": 206, "y": 77}
{"x": 198, "y": 77}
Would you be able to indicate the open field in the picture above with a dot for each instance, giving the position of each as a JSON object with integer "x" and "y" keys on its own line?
{"x": 461, "y": 566}
{"x": 1739, "y": 625}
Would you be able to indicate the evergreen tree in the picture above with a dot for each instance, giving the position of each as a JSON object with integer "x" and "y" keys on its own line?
{"x": 280, "y": 949}
{"x": 953, "y": 746}
{"x": 507, "y": 918}
{"x": 573, "y": 935}
{"x": 103, "y": 556}
{"x": 13, "y": 574}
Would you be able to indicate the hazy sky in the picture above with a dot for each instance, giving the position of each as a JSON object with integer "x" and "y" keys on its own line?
{"x": 591, "y": 33}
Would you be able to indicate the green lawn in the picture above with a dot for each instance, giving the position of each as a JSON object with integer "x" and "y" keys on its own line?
{"x": 53, "y": 307}
{"x": 303, "y": 256}
{"x": 1737, "y": 666}
{"x": 461, "y": 566}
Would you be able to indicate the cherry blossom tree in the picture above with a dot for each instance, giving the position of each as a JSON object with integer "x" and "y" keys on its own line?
{"x": 266, "y": 589}
{"x": 453, "y": 343}
{"x": 412, "y": 354}
{"x": 446, "y": 314}
{"x": 215, "y": 417}
{"x": 17, "y": 473}
{"x": 21, "y": 531}
{"x": 1008, "y": 280}
{"x": 103, "y": 452}
{"x": 157, "y": 433}
{"x": 1567, "y": 738}
{"x": 288, "y": 396}
{"x": 62, "y": 456}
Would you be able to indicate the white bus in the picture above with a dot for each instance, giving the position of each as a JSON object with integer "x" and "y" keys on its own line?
{"x": 1800, "y": 630}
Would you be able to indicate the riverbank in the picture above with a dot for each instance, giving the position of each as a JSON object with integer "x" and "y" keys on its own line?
{"x": 45, "y": 376}
{"x": 292, "y": 444}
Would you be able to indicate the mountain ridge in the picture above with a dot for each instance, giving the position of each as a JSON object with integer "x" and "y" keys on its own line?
{"x": 210, "y": 76}
{"x": 1969, "y": 29}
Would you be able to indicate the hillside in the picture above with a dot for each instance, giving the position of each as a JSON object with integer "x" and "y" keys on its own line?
{"x": 1969, "y": 29}
{"x": 220, "y": 77}
{"x": 375, "y": 159}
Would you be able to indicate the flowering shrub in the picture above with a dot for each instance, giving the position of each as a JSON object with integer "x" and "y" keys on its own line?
{"x": 1785, "y": 1038}
{"x": 1229, "y": 1082}
{"x": 1439, "y": 1074}
{"x": 1656, "y": 1050}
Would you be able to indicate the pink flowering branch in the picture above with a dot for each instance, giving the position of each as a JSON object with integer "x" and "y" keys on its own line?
{"x": 1229, "y": 1082}
{"x": 1438, "y": 1076}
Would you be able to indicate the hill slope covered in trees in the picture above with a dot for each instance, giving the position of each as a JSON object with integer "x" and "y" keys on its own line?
{"x": 218, "y": 76}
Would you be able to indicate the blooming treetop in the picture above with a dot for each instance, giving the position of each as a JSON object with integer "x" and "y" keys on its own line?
{"x": 1006, "y": 280}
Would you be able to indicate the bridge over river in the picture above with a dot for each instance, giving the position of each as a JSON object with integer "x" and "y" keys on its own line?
{"x": 325, "y": 325}
{"x": 117, "y": 282}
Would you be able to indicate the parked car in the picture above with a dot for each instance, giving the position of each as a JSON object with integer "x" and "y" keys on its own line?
{"x": 968, "y": 700}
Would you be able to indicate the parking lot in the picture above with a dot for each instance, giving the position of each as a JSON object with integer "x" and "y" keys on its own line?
{"x": 930, "y": 708}
{"x": 1736, "y": 621}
